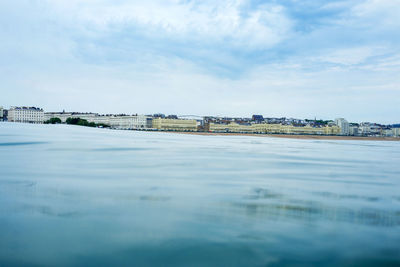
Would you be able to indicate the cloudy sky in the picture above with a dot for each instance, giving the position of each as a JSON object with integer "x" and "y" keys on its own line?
{"x": 293, "y": 58}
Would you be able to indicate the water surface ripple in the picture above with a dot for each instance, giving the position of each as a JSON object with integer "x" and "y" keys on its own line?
{"x": 77, "y": 196}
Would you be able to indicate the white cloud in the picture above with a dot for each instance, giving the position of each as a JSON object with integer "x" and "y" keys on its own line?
{"x": 207, "y": 21}
{"x": 349, "y": 56}
{"x": 379, "y": 12}
{"x": 372, "y": 16}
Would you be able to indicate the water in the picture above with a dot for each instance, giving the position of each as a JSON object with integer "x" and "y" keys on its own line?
{"x": 77, "y": 196}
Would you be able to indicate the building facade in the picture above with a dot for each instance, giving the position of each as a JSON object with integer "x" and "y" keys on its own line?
{"x": 396, "y": 131}
{"x": 353, "y": 130}
{"x": 114, "y": 121}
{"x": 271, "y": 128}
{"x": 63, "y": 116}
{"x": 344, "y": 126}
{"x": 370, "y": 129}
{"x": 387, "y": 132}
{"x": 365, "y": 129}
{"x": 165, "y": 124}
{"x": 123, "y": 122}
{"x": 26, "y": 114}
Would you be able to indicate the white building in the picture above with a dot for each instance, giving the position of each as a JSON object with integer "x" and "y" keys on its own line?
{"x": 370, "y": 129}
{"x": 1, "y": 113}
{"x": 387, "y": 132}
{"x": 26, "y": 114}
{"x": 344, "y": 126}
{"x": 396, "y": 131}
{"x": 365, "y": 128}
{"x": 121, "y": 122}
{"x": 376, "y": 130}
{"x": 353, "y": 130}
{"x": 114, "y": 121}
{"x": 63, "y": 116}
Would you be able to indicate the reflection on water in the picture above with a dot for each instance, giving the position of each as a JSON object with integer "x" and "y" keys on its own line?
{"x": 261, "y": 193}
{"x": 344, "y": 196}
{"x": 81, "y": 196}
{"x": 20, "y": 143}
{"x": 313, "y": 211}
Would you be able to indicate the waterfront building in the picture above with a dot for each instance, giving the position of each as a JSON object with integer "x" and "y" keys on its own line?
{"x": 387, "y": 132}
{"x": 370, "y": 129}
{"x": 26, "y": 114}
{"x": 396, "y": 131}
{"x": 114, "y": 121}
{"x": 149, "y": 122}
{"x": 3, "y": 114}
{"x": 344, "y": 126}
{"x": 231, "y": 127}
{"x": 63, "y": 116}
{"x": 353, "y": 130}
{"x": 271, "y": 128}
{"x": 124, "y": 122}
{"x": 376, "y": 130}
{"x": 365, "y": 128}
{"x": 165, "y": 124}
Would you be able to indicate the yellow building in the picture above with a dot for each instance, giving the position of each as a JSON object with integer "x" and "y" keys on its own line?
{"x": 269, "y": 128}
{"x": 234, "y": 127}
{"x": 174, "y": 124}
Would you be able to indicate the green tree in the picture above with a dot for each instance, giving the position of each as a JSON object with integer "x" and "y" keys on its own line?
{"x": 53, "y": 121}
{"x": 83, "y": 122}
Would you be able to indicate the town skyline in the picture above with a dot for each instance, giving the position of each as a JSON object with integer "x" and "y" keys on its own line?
{"x": 166, "y": 114}
{"x": 257, "y": 124}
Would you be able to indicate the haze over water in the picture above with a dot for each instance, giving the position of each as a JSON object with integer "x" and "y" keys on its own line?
{"x": 77, "y": 196}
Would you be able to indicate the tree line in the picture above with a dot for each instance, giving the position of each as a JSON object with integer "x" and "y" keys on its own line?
{"x": 76, "y": 121}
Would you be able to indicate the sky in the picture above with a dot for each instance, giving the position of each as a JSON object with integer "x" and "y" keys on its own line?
{"x": 287, "y": 58}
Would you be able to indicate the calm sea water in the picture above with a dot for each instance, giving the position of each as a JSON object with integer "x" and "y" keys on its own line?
{"x": 77, "y": 196}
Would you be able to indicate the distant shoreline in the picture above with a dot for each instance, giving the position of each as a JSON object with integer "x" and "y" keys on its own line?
{"x": 290, "y": 136}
